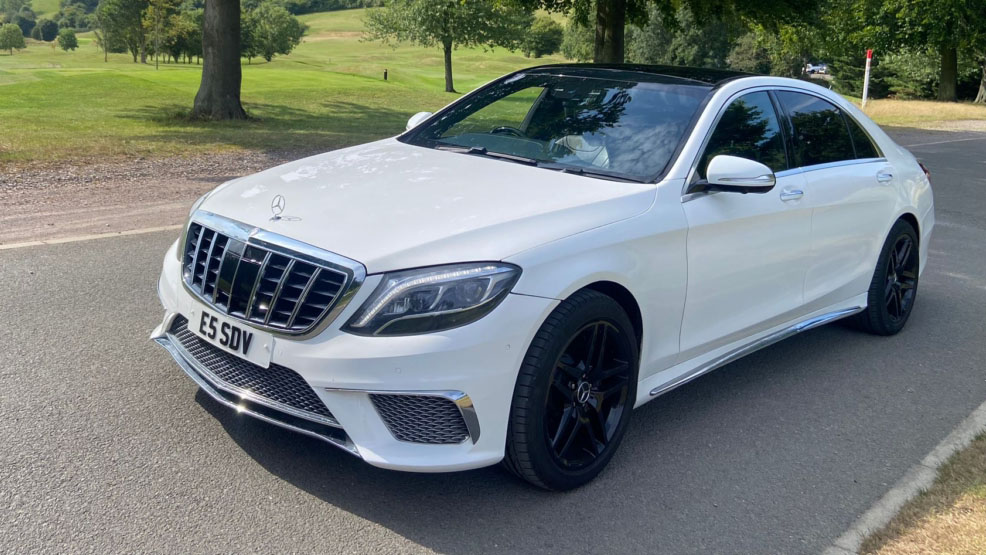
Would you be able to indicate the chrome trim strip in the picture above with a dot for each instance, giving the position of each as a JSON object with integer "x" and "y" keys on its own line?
{"x": 304, "y": 295}
{"x": 277, "y": 291}
{"x": 840, "y": 163}
{"x": 767, "y": 341}
{"x": 256, "y": 284}
{"x": 353, "y": 273}
{"x": 205, "y": 386}
{"x": 461, "y": 400}
{"x": 218, "y": 383}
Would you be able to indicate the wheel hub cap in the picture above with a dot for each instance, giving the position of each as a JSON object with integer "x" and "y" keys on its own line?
{"x": 582, "y": 392}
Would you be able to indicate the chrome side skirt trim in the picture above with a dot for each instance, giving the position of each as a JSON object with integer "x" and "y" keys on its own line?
{"x": 767, "y": 341}
{"x": 461, "y": 400}
{"x": 346, "y": 445}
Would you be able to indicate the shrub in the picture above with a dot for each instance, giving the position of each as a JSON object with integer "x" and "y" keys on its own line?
{"x": 47, "y": 29}
{"x": 543, "y": 38}
{"x": 67, "y": 40}
{"x": 578, "y": 43}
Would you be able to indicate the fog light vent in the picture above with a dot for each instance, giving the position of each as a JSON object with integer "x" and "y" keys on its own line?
{"x": 421, "y": 418}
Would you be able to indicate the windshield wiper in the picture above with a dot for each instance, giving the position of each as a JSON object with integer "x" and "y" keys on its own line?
{"x": 578, "y": 170}
{"x": 482, "y": 151}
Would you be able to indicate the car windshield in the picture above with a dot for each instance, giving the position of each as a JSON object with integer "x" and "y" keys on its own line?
{"x": 592, "y": 126}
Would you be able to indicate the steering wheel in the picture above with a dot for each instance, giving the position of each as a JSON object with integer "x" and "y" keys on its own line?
{"x": 507, "y": 130}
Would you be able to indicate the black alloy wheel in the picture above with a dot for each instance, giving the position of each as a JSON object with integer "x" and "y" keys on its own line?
{"x": 902, "y": 278}
{"x": 575, "y": 393}
{"x": 894, "y": 285}
{"x": 590, "y": 383}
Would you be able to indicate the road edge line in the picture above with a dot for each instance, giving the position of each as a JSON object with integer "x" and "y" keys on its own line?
{"x": 79, "y": 238}
{"x": 917, "y": 479}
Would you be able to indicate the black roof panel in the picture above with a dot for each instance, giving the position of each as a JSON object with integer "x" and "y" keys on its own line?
{"x": 645, "y": 73}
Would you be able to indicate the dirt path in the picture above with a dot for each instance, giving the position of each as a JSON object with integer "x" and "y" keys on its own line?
{"x": 58, "y": 201}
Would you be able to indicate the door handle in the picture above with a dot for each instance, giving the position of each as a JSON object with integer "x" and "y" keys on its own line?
{"x": 884, "y": 177}
{"x": 792, "y": 194}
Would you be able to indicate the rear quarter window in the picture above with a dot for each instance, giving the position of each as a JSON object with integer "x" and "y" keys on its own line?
{"x": 820, "y": 133}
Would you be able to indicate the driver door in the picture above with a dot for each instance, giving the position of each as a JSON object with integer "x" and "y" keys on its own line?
{"x": 747, "y": 253}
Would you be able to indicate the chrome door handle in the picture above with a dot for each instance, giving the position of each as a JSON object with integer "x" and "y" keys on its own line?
{"x": 792, "y": 194}
{"x": 884, "y": 177}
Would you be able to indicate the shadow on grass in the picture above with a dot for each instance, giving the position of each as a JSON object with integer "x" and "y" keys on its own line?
{"x": 273, "y": 127}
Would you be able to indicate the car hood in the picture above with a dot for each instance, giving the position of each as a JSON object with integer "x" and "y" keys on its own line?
{"x": 391, "y": 206}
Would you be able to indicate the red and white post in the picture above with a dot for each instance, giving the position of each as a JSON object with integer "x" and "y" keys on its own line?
{"x": 866, "y": 76}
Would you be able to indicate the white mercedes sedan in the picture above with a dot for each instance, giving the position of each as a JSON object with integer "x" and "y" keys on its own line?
{"x": 515, "y": 273}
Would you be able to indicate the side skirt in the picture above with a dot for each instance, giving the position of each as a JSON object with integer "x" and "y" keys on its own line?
{"x": 750, "y": 347}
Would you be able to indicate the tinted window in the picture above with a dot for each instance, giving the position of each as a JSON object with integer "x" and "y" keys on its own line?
{"x": 625, "y": 128}
{"x": 862, "y": 142}
{"x": 748, "y": 128}
{"x": 820, "y": 132}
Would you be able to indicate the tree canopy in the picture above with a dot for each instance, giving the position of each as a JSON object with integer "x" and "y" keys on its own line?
{"x": 450, "y": 24}
{"x": 11, "y": 38}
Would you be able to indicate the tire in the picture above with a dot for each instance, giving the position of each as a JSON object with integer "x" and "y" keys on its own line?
{"x": 569, "y": 416}
{"x": 893, "y": 288}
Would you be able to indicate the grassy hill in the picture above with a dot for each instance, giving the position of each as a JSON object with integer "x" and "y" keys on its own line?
{"x": 327, "y": 94}
{"x": 45, "y": 8}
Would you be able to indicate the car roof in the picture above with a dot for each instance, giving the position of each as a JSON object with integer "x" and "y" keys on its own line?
{"x": 644, "y": 73}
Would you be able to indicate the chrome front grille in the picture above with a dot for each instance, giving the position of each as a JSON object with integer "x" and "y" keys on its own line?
{"x": 278, "y": 387}
{"x": 421, "y": 418}
{"x": 251, "y": 275}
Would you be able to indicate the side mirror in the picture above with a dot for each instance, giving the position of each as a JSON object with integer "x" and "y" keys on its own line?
{"x": 416, "y": 119}
{"x": 732, "y": 174}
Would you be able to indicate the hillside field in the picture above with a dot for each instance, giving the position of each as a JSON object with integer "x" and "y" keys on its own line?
{"x": 328, "y": 93}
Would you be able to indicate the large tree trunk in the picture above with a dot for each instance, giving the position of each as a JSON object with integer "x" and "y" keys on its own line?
{"x": 447, "y": 49}
{"x": 219, "y": 92}
{"x": 611, "y": 18}
{"x": 949, "y": 74}
{"x": 981, "y": 97}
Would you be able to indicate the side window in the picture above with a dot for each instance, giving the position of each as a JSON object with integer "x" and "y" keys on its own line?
{"x": 749, "y": 129}
{"x": 820, "y": 131}
{"x": 862, "y": 142}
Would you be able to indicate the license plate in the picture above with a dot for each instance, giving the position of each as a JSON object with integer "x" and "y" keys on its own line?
{"x": 230, "y": 336}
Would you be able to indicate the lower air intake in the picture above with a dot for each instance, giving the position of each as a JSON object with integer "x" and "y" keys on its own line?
{"x": 421, "y": 418}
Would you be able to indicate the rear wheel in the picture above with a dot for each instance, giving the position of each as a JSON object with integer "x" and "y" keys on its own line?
{"x": 574, "y": 394}
{"x": 895, "y": 283}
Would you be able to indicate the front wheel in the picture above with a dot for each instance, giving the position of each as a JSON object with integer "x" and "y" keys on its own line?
{"x": 895, "y": 283}
{"x": 574, "y": 394}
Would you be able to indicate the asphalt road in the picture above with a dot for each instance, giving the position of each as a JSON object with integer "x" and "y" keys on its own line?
{"x": 106, "y": 446}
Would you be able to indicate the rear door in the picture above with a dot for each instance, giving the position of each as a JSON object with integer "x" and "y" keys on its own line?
{"x": 848, "y": 186}
{"x": 746, "y": 252}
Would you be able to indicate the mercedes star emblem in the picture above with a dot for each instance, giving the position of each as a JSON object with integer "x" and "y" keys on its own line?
{"x": 277, "y": 206}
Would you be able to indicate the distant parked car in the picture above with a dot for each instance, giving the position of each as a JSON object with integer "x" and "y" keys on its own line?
{"x": 514, "y": 274}
{"x": 811, "y": 69}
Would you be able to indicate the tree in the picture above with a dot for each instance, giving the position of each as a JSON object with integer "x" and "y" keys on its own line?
{"x": 159, "y": 22}
{"x": 123, "y": 20}
{"x": 272, "y": 30}
{"x": 67, "y": 40}
{"x": 11, "y": 38}
{"x": 24, "y": 19}
{"x": 682, "y": 41}
{"x": 612, "y": 16}
{"x": 219, "y": 91}
{"x": 449, "y": 24}
{"x": 945, "y": 25}
{"x": 544, "y": 37}
{"x": 748, "y": 55}
{"x": 47, "y": 29}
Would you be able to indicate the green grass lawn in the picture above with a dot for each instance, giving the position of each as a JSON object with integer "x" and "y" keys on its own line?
{"x": 45, "y": 8}
{"x": 328, "y": 93}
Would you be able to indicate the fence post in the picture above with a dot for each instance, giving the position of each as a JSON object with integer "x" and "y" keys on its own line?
{"x": 866, "y": 76}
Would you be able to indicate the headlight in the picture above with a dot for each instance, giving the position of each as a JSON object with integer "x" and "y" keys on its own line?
{"x": 433, "y": 299}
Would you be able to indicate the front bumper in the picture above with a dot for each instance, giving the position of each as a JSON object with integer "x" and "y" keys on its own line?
{"x": 474, "y": 366}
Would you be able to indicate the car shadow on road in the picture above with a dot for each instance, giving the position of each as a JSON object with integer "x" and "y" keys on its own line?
{"x": 697, "y": 445}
